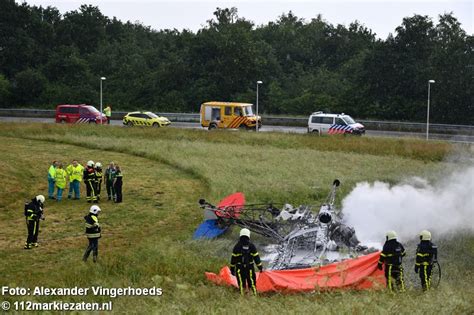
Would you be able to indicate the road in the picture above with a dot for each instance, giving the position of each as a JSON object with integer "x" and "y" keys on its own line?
{"x": 369, "y": 133}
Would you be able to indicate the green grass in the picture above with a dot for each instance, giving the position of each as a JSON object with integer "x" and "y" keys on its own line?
{"x": 147, "y": 239}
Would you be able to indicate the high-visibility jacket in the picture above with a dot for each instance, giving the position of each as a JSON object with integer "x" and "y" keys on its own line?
{"x": 52, "y": 172}
{"x": 60, "y": 178}
{"x": 108, "y": 111}
{"x": 75, "y": 172}
{"x": 92, "y": 226}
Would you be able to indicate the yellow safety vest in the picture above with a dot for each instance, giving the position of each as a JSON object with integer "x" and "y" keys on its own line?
{"x": 52, "y": 172}
{"x": 60, "y": 178}
{"x": 75, "y": 173}
{"x": 108, "y": 111}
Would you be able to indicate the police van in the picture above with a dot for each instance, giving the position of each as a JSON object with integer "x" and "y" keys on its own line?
{"x": 324, "y": 123}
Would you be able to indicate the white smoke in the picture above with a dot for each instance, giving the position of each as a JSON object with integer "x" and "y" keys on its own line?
{"x": 407, "y": 208}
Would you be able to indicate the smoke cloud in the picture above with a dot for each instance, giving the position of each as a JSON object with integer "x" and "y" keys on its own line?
{"x": 444, "y": 207}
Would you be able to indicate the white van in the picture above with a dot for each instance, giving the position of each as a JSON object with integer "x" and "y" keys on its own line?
{"x": 323, "y": 123}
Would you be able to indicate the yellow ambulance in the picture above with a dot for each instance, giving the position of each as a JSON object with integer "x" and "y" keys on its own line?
{"x": 228, "y": 115}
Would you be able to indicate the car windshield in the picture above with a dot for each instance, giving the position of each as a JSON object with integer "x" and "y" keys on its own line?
{"x": 247, "y": 110}
{"x": 348, "y": 119}
{"x": 92, "y": 109}
{"x": 151, "y": 115}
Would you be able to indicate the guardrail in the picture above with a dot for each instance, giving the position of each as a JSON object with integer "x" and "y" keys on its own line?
{"x": 270, "y": 120}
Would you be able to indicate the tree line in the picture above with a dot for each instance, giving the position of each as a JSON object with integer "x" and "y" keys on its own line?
{"x": 47, "y": 58}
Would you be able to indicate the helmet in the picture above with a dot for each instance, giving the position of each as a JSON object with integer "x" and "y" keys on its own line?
{"x": 98, "y": 165}
{"x": 40, "y": 198}
{"x": 245, "y": 232}
{"x": 94, "y": 209}
{"x": 90, "y": 163}
{"x": 425, "y": 235}
{"x": 391, "y": 235}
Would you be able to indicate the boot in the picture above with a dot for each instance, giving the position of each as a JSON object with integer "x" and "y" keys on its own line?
{"x": 94, "y": 258}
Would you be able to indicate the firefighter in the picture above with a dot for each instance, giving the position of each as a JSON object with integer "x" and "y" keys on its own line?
{"x": 89, "y": 180}
{"x": 60, "y": 181}
{"x": 75, "y": 172}
{"x": 391, "y": 256}
{"x": 118, "y": 184}
{"x": 109, "y": 177}
{"x": 93, "y": 233}
{"x": 51, "y": 176}
{"x": 98, "y": 179}
{"x": 33, "y": 213}
{"x": 242, "y": 262}
{"x": 426, "y": 256}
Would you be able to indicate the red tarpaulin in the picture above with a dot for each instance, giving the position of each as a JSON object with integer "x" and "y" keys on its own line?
{"x": 359, "y": 273}
{"x": 231, "y": 206}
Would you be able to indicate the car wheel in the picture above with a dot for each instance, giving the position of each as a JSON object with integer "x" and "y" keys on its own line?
{"x": 63, "y": 121}
{"x": 130, "y": 124}
{"x": 316, "y": 131}
{"x": 212, "y": 126}
{"x": 156, "y": 125}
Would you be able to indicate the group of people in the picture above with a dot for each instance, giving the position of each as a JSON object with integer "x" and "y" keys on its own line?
{"x": 92, "y": 175}
{"x": 392, "y": 257}
{"x": 34, "y": 212}
{"x": 245, "y": 257}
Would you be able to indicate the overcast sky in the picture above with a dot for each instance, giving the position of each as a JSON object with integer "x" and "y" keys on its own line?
{"x": 382, "y": 16}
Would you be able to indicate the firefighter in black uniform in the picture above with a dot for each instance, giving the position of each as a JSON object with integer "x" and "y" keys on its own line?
{"x": 33, "y": 213}
{"x": 93, "y": 233}
{"x": 242, "y": 262}
{"x": 90, "y": 182}
{"x": 118, "y": 184}
{"x": 98, "y": 179}
{"x": 426, "y": 256}
{"x": 391, "y": 256}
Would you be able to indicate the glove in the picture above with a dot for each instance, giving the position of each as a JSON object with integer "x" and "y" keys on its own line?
{"x": 260, "y": 268}
{"x": 232, "y": 271}
{"x": 379, "y": 267}
{"x": 416, "y": 269}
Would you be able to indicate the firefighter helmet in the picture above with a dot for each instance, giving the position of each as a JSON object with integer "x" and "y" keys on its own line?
{"x": 98, "y": 165}
{"x": 245, "y": 232}
{"x": 94, "y": 209}
{"x": 40, "y": 198}
{"x": 425, "y": 235}
{"x": 90, "y": 163}
{"x": 391, "y": 235}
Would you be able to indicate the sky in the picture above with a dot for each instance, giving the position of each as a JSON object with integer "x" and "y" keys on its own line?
{"x": 381, "y": 16}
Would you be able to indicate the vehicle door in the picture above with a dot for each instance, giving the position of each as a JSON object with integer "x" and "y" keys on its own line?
{"x": 146, "y": 119}
{"x": 85, "y": 116}
{"x": 228, "y": 117}
{"x": 216, "y": 116}
{"x": 326, "y": 123}
{"x": 238, "y": 117}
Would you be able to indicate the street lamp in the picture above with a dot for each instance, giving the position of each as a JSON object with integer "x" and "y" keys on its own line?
{"x": 428, "y": 111}
{"x": 101, "y": 79}
{"x": 256, "y": 114}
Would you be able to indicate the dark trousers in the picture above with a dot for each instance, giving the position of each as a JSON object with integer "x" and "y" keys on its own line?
{"x": 33, "y": 228}
{"x": 109, "y": 185}
{"x": 394, "y": 277}
{"x": 246, "y": 279}
{"x": 118, "y": 191}
{"x": 98, "y": 185}
{"x": 93, "y": 247}
{"x": 425, "y": 276}
{"x": 90, "y": 191}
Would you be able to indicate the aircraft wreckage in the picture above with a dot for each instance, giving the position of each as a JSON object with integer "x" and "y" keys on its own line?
{"x": 301, "y": 238}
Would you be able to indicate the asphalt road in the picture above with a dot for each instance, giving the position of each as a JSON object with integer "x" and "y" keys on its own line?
{"x": 369, "y": 133}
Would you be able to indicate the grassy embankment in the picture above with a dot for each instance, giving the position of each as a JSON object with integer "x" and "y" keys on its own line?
{"x": 147, "y": 239}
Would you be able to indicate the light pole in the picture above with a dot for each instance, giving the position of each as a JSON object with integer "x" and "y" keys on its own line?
{"x": 101, "y": 79}
{"x": 256, "y": 114}
{"x": 428, "y": 110}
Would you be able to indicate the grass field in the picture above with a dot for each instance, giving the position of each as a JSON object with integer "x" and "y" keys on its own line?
{"x": 147, "y": 239}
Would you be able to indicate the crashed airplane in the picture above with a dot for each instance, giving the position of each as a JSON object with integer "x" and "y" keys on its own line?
{"x": 300, "y": 237}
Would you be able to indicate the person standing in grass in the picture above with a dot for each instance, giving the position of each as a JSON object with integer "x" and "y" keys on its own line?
{"x": 108, "y": 113}
{"x": 93, "y": 233}
{"x": 75, "y": 172}
{"x": 60, "y": 180}
{"x": 426, "y": 256}
{"x": 392, "y": 256}
{"x": 118, "y": 184}
{"x": 89, "y": 180}
{"x": 33, "y": 213}
{"x": 51, "y": 176}
{"x": 109, "y": 177}
{"x": 244, "y": 255}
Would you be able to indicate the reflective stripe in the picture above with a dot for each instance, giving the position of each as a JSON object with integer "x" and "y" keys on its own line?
{"x": 389, "y": 277}
{"x": 254, "y": 289}
{"x": 236, "y": 255}
{"x": 241, "y": 285}
{"x": 93, "y": 235}
{"x": 254, "y": 255}
{"x": 259, "y": 264}
{"x": 422, "y": 255}
{"x": 89, "y": 225}
{"x": 232, "y": 265}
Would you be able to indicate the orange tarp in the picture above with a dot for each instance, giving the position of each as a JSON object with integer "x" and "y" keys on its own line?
{"x": 359, "y": 273}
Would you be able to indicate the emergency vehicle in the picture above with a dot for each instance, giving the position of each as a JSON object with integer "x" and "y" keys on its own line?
{"x": 228, "y": 115}
{"x": 79, "y": 114}
{"x": 324, "y": 123}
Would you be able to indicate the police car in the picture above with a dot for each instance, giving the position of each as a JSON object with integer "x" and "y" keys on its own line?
{"x": 145, "y": 119}
{"x": 324, "y": 123}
